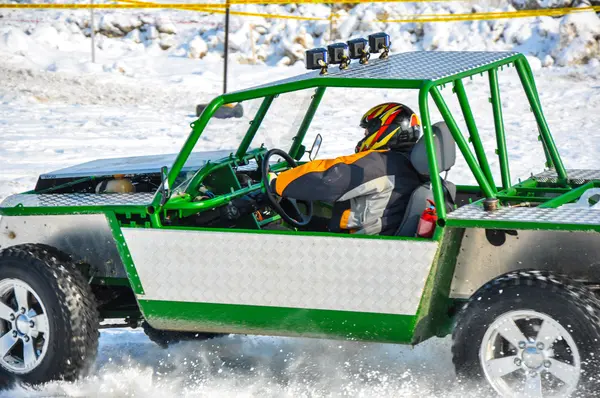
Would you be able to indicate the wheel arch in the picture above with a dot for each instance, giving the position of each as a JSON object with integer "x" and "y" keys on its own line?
{"x": 487, "y": 254}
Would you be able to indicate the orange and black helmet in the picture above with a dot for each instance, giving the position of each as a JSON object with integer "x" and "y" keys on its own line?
{"x": 389, "y": 126}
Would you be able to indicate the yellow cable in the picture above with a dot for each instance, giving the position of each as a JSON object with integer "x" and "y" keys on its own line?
{"x": 219, "y": 8}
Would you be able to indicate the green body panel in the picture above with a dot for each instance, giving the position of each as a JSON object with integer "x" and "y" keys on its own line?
{"x": 434, "y": 317}
{"x": 280, "y": 321}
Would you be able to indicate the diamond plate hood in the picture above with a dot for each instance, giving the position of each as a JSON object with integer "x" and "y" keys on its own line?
{"x": 134, "y": 165}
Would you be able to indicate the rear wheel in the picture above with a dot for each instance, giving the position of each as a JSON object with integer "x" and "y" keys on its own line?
{"x": 530, "y": 333}
{"x": 48, "y": 316}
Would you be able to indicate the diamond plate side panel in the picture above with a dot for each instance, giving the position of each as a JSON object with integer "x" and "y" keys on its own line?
{"x": 417, "y": 65}
{"x": 297, "y": 271}
{"x": 528, "y": 214}
{"x": 77, "y": 199}
{"x": 579, "y": 176}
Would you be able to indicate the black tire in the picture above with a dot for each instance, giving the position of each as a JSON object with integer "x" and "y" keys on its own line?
{"x": 70, "y": 306}
{"x": 570, "y": 304}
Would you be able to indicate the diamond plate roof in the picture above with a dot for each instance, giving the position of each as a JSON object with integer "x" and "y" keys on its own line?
{"x": 419, "y": 65}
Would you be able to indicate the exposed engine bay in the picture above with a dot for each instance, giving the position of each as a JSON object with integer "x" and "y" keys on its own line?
{"x": 230, "y": 188}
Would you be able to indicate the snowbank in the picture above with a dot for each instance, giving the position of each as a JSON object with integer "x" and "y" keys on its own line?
{"x": 569, "y": 40}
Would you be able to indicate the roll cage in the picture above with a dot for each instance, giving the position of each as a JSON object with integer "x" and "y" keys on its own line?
{"x": 426, "y": 72}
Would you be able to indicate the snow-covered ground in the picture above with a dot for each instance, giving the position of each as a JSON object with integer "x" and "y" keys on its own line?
{"x": 57, "y": 109}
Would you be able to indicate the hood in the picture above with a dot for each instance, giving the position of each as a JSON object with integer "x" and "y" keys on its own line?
{"x": 134, "y": 165}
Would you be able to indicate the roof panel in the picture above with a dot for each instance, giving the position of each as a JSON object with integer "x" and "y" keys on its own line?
{"x": 420, "y": 65}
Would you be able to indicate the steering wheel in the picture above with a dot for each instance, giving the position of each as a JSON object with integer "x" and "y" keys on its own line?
{"x": 286, "y": 207}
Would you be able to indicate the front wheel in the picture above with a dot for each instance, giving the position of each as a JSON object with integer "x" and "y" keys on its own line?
{"x": 48, "y": 316}
{"x": 530, "y": 333}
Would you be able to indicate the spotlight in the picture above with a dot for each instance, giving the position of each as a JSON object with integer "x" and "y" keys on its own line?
{"x": 358, "y": 50}
{"x": 317, "y": 59}
{"x": 380, "y": 41}
{"x": 338, "y": 54}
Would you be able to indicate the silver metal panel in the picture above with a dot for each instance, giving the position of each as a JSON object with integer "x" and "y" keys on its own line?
{"x": 87, "y": 237}
{"x": 294, "y": 271}
{"x": 419, "y": 65}
{"x": 528, "y": 214}
{"x": 576, "y": 254}
{"x": 77, "y": 199}
{"x": 580, "y": 176}
{"x": 135, "y": 165}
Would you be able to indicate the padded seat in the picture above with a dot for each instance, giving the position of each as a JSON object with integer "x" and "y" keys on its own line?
{"x": 446, "y": 158}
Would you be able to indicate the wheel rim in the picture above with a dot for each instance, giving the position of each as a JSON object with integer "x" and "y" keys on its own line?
{"x": 24, "y": 330}
{"x": 527, "y": 353}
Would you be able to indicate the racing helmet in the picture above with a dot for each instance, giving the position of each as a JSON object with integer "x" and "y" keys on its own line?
{"x": 389, "y": 126}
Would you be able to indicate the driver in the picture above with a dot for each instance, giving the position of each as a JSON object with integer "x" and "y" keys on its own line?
{"x": 370, "y": 189}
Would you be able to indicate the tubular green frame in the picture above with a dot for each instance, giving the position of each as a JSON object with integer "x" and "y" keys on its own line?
{"x": 462, "y": 144}
{"x": 524, "y": 71}
{"x": 461, "y": 94}
{"x": 310, "y": 114}
{"x": 499, "y": 126}
{"x": 479, "y": 166}
{"x": 254, "y": 125}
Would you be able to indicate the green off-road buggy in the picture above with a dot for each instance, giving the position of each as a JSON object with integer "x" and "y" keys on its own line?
{"x": 512, "y": 272}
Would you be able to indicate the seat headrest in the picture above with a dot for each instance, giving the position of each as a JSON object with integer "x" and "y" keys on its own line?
{"x": 445, "y": 150}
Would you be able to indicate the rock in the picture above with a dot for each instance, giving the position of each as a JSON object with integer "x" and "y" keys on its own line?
{"x": 134, "y": 36}
{"x": 197, "y": 48}
{"x": 534, "y": 63}
{"x": 285, "y": 61}
{"x": 579, "y": 34}
{"x": 125, "y": 23}
{"x": 74, "y": 28}
{"x": 345, "y": 29}
{"x": 151, "y": 33}
{"x": 368, "y": 22}
{"x": 147, "y": 20}
{"x": 164, "y": 25}
{"x": 167, "y": 41}
{"x": 537, "y": 4}
{"x": 260, "y": 29}
{"x": 240, "y": 40}
{"x": 547, "y": 61}
{"x": 293, "y": 51}
{"x": 107, "y": 27}
{"x": 517, "y": 31}
{"x": 435, "y": 35}
{"x": 304, "y": 39}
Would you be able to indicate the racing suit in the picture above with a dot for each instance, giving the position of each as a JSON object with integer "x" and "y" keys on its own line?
{"x": 370, "y": 190}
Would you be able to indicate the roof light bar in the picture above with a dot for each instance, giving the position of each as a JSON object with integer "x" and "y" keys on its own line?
{"x": 338, "y": 55}
{"x": 317, "y": 59}
{"x": 358, "y": 49}
{"x": 380, "y": 41}
{"x": 342, "y": 53}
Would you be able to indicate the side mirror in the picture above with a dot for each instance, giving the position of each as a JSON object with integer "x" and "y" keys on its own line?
{"x": 164, "y": 189}
{"x": 314, "y": 150}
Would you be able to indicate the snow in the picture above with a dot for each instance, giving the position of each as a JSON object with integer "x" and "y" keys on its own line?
{"x": 57, "y": 109}
{"x": 247, "y": 366}
{"x": 569, "y": 40}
